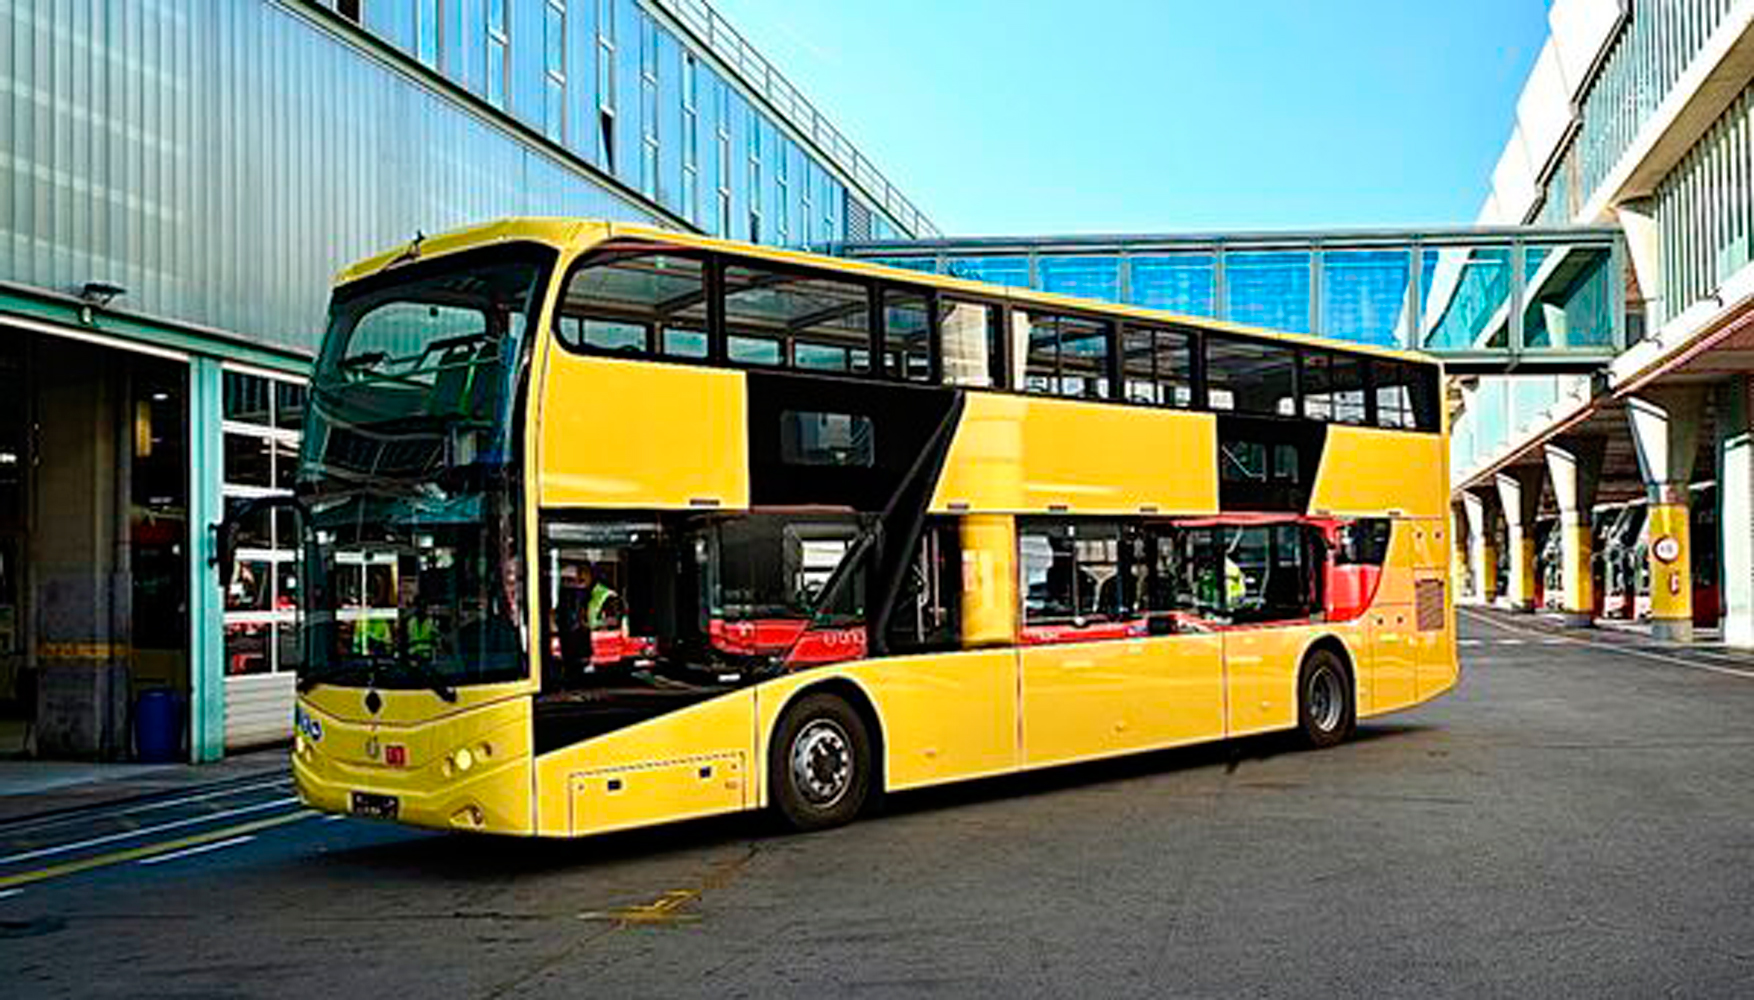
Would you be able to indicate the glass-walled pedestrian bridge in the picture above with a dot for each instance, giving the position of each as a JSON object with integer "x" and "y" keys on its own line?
{"x": 1487, "y": 301}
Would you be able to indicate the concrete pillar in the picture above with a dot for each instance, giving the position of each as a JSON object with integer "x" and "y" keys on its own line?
{"x": 81, "y": 598}
{"x": 1575, "y": 467}
{"x": 1665, "y": 428}
{"x": 1519, "y": 496}
{"x": 1735, "y": 490}
{"x": 1637, "y": 218}
{"x": 1482, "y": 546}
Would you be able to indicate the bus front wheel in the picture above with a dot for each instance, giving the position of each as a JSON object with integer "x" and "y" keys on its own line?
{"x": 819, "y": 764}
{"x": 1325, "y": 712}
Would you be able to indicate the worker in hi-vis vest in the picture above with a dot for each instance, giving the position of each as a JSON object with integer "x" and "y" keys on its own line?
{"x": 586, "y": 605}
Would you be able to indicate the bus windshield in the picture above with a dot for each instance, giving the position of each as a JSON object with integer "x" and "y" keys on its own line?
{"x": 409, "y": 476}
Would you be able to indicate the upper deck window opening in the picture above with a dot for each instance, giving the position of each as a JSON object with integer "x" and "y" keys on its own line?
{"x": 969, "y": 340}
{"x": 1333, "y": 387}
{"x": 651, "y": 303}
{"x": 1157, "y": 366}
{"x": 1062, "y": 355}
{"x": 1406, "y": 395}
{"x": 1250, "y": 376}
{"x": 907, "y": 335}
{"x": 798, "y": 320}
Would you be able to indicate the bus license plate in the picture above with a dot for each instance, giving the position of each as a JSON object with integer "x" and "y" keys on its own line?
{"x": 374, "y": 806}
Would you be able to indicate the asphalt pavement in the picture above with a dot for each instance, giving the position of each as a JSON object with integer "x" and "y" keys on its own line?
{"x": 1573, "y": 821}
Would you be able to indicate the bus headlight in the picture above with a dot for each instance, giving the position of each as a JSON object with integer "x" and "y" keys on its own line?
{"x": 463, "y": 759}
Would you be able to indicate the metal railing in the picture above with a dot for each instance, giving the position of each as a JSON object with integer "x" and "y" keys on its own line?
{"x": 713, "y": 31}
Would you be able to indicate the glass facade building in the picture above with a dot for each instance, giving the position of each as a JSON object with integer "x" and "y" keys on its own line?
{"x": 183, "y": 180}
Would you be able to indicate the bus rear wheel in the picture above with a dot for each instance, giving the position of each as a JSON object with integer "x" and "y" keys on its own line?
{"x": 819, "y": 764}
{"x": 1325, "y": 712}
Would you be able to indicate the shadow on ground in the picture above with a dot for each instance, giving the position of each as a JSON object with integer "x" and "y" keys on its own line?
{"x": 472, "y": 858}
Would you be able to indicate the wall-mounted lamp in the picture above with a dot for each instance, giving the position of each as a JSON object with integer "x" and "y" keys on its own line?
{"x": 97, "y": 294}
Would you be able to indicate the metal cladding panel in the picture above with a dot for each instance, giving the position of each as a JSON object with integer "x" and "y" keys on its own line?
{"x": 222, "y": 161}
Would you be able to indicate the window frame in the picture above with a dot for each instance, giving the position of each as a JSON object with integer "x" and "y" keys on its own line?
{"x": 1006, "y": 370}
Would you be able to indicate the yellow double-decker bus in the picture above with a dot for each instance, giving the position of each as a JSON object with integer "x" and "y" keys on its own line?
{"x": 608, "y": 526}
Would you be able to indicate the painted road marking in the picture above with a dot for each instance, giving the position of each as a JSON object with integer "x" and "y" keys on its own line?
{"x": 143, "y": 831}
{"x": 99, "y": 812}
{"x": 135, "y": 853}
{"x": 8, "y": 893}
{"x": 1510, "y": 642}
{"x": 1469, "y": 642}
{"x": 218, "y": 845}
{"x": 1615, "y": 648}
{"x": 666, "y": 909}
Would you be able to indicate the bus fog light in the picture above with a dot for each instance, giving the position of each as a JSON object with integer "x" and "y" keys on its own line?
{"x": 468, "y": 816}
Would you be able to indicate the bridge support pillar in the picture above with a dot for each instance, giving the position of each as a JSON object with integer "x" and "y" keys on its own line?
{"x": 1665, "y": 428}
{"x": 1519, "y": 496}
{"x": 1576, "y": 469}
{"x": 1482, "y": 546}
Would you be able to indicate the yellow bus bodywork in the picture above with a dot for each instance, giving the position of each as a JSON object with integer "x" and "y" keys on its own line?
{"x": 637, "y": 435}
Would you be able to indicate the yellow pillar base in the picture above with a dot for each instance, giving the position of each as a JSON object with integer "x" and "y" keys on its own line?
{"x": 1669, "y": 551}
{"x": 1487, "y": 583}
{"x": 1579, "y": 581}
{"x": 1522, "y": 574}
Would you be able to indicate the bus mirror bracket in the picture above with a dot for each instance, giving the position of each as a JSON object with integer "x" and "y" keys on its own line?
{"x": 226, "y": 531}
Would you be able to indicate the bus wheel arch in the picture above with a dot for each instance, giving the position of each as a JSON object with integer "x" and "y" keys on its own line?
{"x": 830, "y": 720}
{"x": 1327, "y": 693}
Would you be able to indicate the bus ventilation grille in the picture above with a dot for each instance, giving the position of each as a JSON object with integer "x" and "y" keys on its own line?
{"x": 1428, "y": 605}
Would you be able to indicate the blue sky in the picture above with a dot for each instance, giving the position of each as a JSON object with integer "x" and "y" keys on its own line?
{"x": 1170, "y": 116}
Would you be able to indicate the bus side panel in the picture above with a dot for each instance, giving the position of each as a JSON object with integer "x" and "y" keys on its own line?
{"x": 1365, "y": 472}
{"x": 620, "y": 433}
{"x": 687, "y": 763}
{"x": 944, "y": 716}
{"x": 1433, "y": 608}
{"x": 1394, "y": 639}
{"x": 1020, "y": 454}
{"x": 1094, "y": 699}
{"x": 1435, "y": 638}
{"x": 1261, "y": 667}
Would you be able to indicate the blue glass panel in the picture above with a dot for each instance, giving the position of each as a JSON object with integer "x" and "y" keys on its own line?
{"x": 1013, "y": 271}
{"x": 554, "y": 36}
{"x": 1086, "y": 276}
{"x": 1180, "y": 283}
{"x": 495, "y": 72}
{"x": 1269, "y": 289}
{"x": 1465, "y": 293}
{"x": 554, "y": 114}
{"x": 1568, "y": 293}
{"x": 1364, "y": 296}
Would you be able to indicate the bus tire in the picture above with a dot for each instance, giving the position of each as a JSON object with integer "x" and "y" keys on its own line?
{"x": 820, "y": 763}
{"x": 1325, "y": 709}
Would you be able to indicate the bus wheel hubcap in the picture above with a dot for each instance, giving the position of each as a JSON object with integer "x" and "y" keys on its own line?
{"x": 1325, "y": 700}
{"x": 822, "y": 764}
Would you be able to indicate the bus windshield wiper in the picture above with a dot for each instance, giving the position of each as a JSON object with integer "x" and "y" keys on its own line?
{"x": 434, "y": 678}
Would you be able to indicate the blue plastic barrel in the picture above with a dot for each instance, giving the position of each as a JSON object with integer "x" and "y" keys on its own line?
{"x": 158, "y": 726}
